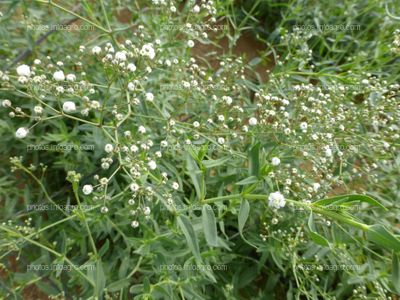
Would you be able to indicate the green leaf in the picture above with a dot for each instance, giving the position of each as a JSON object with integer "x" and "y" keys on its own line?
{"x": 118, "y": 285}
{"x": 254, "y": 160}
{"x": 104, "y": 248}
{"x": 316, "y": 237}
{"x": 243, "y": 214}
{"x": 212, "y": 163}
{"x": 242, "y": 219}
{"x": 348, "y": 199}
{"x": 396, "y": 272}
{"x": 146, "y": 285}
{"x": 100, "y": 282}
{"x": 210, "y": 226}
{"x": 202, "y": 152}
{"x": 379, "y": 235}
{"x": 136, "y": 289}
{"x": 197, "y": 176}
{"x": 248, "y": 180}
{"x": 190, "y": 235}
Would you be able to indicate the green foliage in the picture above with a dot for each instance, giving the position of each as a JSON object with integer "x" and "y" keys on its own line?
{"x": 263, "y": 155}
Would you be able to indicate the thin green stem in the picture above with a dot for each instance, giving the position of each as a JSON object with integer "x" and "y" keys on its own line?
{"x": 314, "y": 208}
{"x": 72, "y": 13}
{"x": 75, "y": 189}
{"x": 59, "y": 255}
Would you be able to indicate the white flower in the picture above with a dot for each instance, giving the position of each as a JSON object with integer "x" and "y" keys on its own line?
{"x": 164, "y": 144}
{"x": 96, "y": 50}
{"x": 303, "y": 126}
{"x": 141, "y": 129}
{"x": 37, "y": 61}
{"x": 146, "y": 210}
{"x": 316, "y": 186}
{"x": 6, "y": 103}
{"x": 108, "y": 148}
{"x": 131, "y": 86}
{"x": 228, "y": 100}
{"x": 87, "y": 189}
{"x": 252, "y": 121}
{"x": 190, "y": 44}
{"x": 135, "y": 224}
{"x": 69, "y": 107}
{"x": 328, "y": 152}
{"x": 221, "y": 140}
{"x": 196, "y": 124}
{"x": 149, "y": 97}
{"x": 38, "y": 109}
{"x": 196, "y": 9}
{"x": 59, "y": 76}
{"x": 134, "y": 148}
{"x": 21, "y": 132}
{"x": 152, "y": 165}
{"x": 120, "y": 55}
{"x": 275, "y": 161}
{"x": 221, "y": 118}
{"x": 134, "y": 187}
{"x": 175, "y": 185}
{"x": 104, "y": 210}
{"x": 71, "y": 77}
{"x": 148, "y": 50}
{"x": 24, "y": 70}
{"x": 276, "y": 200}
{"x": 22, "y": 79}
{"x": 131, "y": 67}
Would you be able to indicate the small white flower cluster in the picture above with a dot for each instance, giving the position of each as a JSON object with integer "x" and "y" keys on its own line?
{"x": 276, "y": 200}
{"x": 396, "y": 42}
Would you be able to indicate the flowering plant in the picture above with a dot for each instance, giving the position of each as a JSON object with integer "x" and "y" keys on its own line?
{"x": 192, "y": 176}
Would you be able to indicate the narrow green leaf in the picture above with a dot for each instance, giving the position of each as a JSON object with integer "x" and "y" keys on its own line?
{"x": 202, "y": 152}
{"x": 146, "y": 285}
{"x": 243, "y": 214}
{"x": 254, "y": 160}
{"x": 104, "y": 248}
{"x": 100, "y": 282}
{"x": 190, "y": 235}
{"x": 396, "y": 272}
{"x": 118, "y": 285}
{"x": 212, "y": 163}
{"x": 348, "y": 199}
{"x": 379, "y": 235}
{"x": 316, "y": 237}
{"x": 196, "y": 175}
{"x": 248, "y": 180}
{"x": 210, "y": 226}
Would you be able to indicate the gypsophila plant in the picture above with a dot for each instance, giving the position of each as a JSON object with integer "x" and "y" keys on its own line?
{"x": 153, "y": 155}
